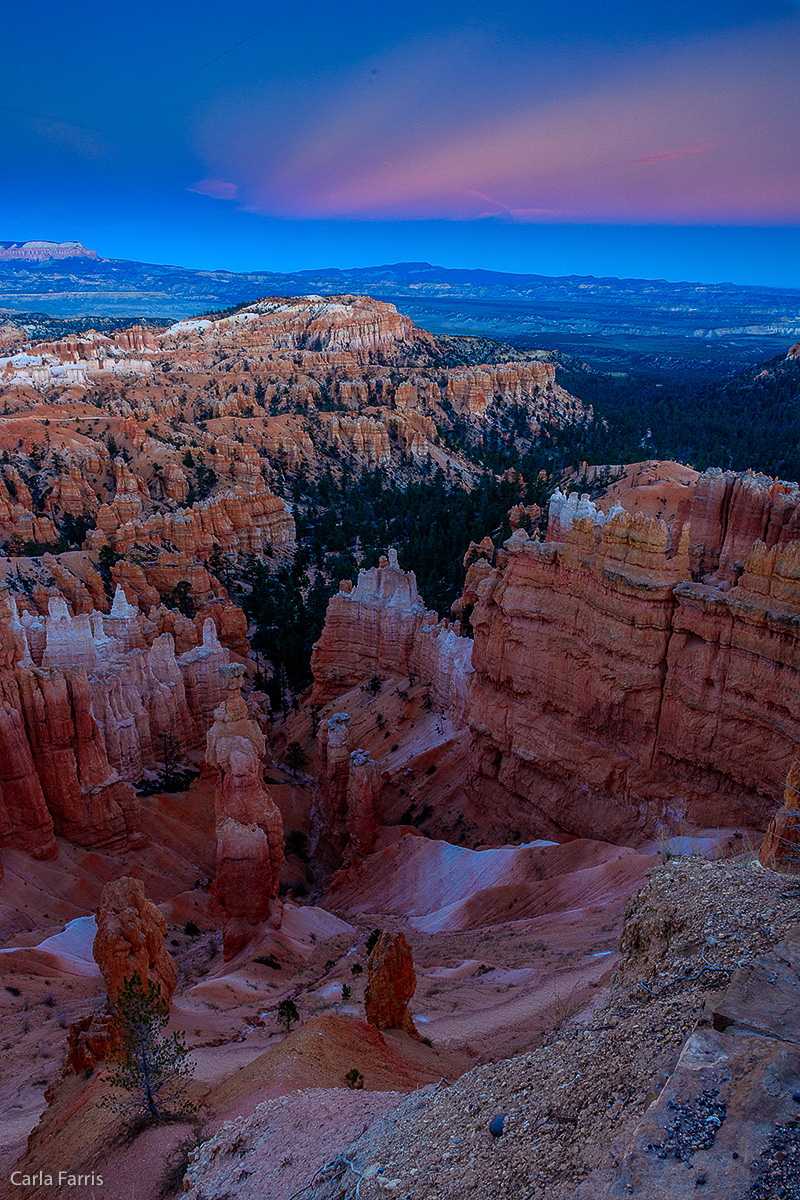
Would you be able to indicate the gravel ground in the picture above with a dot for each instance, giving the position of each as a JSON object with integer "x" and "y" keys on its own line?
{"x": 283, "y": 1144}
{"x": 778, "y": 1175}
{"x": 572, "y": 1103}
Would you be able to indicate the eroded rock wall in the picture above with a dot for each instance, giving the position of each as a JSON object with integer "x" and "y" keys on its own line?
{"x": 381, "y": 627}
{"x": 88, "y": 702}
{"x": 614, "y": 694}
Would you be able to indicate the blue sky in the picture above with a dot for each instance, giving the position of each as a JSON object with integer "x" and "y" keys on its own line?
{"x": 660, "y": 142}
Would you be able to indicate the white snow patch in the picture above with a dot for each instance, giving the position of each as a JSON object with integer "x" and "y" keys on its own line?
{"x": 72, "y": 948}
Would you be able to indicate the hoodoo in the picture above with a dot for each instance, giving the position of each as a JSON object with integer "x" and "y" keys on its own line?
{"x": 248, "y": 822}
{"x": 130, "y": 940}
{"x": 347, "y": 794}
{"x": 391, "y": 984}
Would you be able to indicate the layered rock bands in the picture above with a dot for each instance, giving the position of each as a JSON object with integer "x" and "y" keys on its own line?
{"x": 635, "y": 676}
{"x": 88, "y": 703}
{"x": 381, "y": 627}
{"x": 628, "y": 676}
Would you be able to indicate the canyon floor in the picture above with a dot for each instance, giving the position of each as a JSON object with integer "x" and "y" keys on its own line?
{"x": 499, "y": 959}
{"x": 524, "y": 1001}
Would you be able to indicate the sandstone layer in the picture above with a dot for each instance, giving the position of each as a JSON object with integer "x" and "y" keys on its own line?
{"x": 634, "y": 676}
{"x": 249, "y": 827}
{"x": 381, "y": 628}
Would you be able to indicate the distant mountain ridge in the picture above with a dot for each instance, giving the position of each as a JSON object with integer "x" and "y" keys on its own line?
{"x": 43, "y": 251}
{"x": 443, "y": 299}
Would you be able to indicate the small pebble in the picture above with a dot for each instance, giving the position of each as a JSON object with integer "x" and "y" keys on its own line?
{"x": 496, "y": 1125}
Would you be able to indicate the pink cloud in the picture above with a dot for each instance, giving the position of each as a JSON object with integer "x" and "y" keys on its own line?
{"x": 218, "y": 189}
{"x": 668, "y": 155}
{"x": 437, "y": 141}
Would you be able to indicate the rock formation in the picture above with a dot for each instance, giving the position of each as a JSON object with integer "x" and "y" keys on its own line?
{"x": 248, "y": 822}
{"x": 89, "y": 1042}
{"x": 86, "y": 701}
{"x": 381, "y": 627}
{"x": 391, "y": 983}
{"x": 565, "y": 510}
{"x": 363, "y": 787}
{"x": 344, "y": 377}
{"x": 331, "y": 800}
{"x": 780, "y": 850}
{"x": 244, "y": 520}
{"x": 130, "y": 938}
{"x": 346, "y": 797}
{"x": 43, "y": 251}
{"x": 614, "y": 692}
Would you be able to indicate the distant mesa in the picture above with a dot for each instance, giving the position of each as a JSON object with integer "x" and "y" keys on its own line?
{"x": 42, "y": 251}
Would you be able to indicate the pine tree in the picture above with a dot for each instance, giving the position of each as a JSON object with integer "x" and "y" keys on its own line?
{"x": 296, "y": 757}
{"x": 152, "y": 1070}
{"x": 288, "y": 1014}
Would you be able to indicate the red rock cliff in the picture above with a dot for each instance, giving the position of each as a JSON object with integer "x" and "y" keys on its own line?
{"x": 613, "y": 693}
{"x": 381, "y": 627}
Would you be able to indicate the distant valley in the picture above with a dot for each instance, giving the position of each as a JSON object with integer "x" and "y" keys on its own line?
{"x": 644, "y": 321}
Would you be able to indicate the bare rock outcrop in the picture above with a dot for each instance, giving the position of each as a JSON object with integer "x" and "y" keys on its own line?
{"x": 780, "y": 850}
{"x": 731, "y": 512}
{"x": 248, "y": 520}
{"x": 89, "y": 802}
{"x": 87, "y": 700}
{"x": 331, "y": 803}
{"x": 346, "y": 798}
{"x": 381, "y": 627}
{"x": 391, "y": 983}
{"x": 248, "y": 823}
{"x": 363, "y": 788}
{"x": 130, "y": 939}
{"x": 36, "y": 251}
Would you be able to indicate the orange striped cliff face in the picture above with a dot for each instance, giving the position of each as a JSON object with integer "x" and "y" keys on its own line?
{"x": 631, "y": 674}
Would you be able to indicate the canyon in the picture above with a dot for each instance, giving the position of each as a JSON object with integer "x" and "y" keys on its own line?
{"x": 630, "y": 677}
{"x": 467, "y": 901}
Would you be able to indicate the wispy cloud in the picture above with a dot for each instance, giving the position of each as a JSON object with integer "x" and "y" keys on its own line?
{"x": 84, "y": 140}
{"x": 218, "y": 189}
{"x": 432, "y": 136}
{"x": 668, "y": 155}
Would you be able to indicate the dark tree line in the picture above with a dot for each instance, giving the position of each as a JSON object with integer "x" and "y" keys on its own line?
{"x": 751, "y": 419}
{"x": 347, "y": 524}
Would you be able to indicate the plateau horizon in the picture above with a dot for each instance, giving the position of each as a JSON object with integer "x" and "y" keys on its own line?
{"x": 739, "y": 256}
